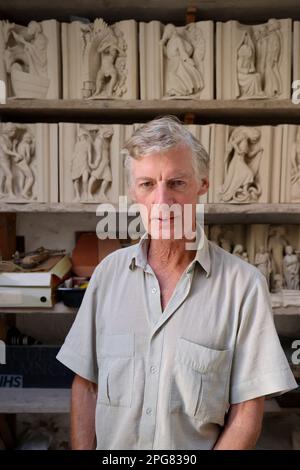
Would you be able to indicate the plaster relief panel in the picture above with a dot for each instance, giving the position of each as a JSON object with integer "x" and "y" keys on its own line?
{"x": 28, "y": 163}
{"x": 100, "y": 60}
{"x": 30, "y": 59}
{"x": 246, "y": 164}
{"x": 176, "y": 62}
{"x": 91, "y": 167}
{"x": 254, "y": 61}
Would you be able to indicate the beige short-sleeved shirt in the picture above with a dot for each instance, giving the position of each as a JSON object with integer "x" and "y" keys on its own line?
{"x": 166, "y": 379}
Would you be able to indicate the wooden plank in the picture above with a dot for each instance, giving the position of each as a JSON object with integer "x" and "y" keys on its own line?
{"x": 173, "y": 10}
{"x": 130, "y": 111}
{"x": 7, "y": 235}
{"x": 58, "y": 309}
{"x": 34, "y": 400}
{"x": 214, "y": 213}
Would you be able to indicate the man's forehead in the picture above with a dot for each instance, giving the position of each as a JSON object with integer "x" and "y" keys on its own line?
{"x": 174, "y": 161}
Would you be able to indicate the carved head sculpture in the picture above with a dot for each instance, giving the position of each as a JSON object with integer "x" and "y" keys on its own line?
{"x": 34, "y": 28}
{"x": 273, "y": 24}
{"x": 261, "y": 249}
{"x": 83, "y": 134}
{"x": 278, "y": 231}
{"x": 9, "y": 129}
{"x": 169, "y": 30}
{"x": 289, "y": 250}
{"x": 27, "y": 137}
{"x": 238, "y": 250}
{"x": 242, "y": 137}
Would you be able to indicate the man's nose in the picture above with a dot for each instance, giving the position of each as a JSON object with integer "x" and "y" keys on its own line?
{"x": 163, "y": 194}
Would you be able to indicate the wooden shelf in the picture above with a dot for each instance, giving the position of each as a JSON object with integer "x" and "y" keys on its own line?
{"x": 58, "y": 309}
{"x": 214, "y": 213}
{"x": 286, "y": 311}
{"x": 34, "y": 400}
{"x": 130, "y": 111}
{"x": 173, "y": 10}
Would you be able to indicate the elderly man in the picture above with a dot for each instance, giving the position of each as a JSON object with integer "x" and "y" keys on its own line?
{"x": 173, "y": 348}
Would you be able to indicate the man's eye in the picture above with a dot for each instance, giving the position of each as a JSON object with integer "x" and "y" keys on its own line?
{"x": 177, "y": 184}
{"x": 146, "y": 184}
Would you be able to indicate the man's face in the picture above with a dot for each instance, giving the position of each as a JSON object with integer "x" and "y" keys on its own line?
{"x": 160, "y": 180}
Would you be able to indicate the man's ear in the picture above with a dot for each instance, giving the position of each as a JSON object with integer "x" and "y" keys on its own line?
{"x": 203, "y": 186}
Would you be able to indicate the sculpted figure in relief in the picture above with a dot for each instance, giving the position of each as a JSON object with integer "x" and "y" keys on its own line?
{"x": 295, "y": 168}
{"x": 26, "y": 58}
{"x": 80, "y": 165}
{"x": 291, "y": 268}
{"x": 263, "y": 263}
{"x": 16, "y": 153}
{"x": 105, "y": 46}
{"x": 25, "y": 150}
{"x": 273, "y": 85}
{"x": 276, "y": 245}
{"x": 90, "y": 165}
{"x": 241, "y": 182}
{"x": 182, "y": 78}
{"x": 7, "y": 132}
{"x": 101, "y": 170}
{"x": 258, "y": 56}
{"x": 249, "y": 80}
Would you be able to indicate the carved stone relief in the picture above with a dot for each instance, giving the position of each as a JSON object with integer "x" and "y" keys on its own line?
{"x": 100, "y": 60}
{"x": 90, "y": 162}
{"x": 254, "y": 61}
{"x": 30, "y": 59}
{"x": 176, "y": 62}
{"x": 246, "y": 164}
{"x": 27, "y": 162}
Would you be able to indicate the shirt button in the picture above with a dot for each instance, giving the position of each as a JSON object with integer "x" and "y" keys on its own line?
{"x": 153, "y": 290}
{"x": 153, "y": 369}
{"x": 149, "y": 411}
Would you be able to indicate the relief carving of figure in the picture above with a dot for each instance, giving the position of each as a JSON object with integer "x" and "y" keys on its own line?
{"x": 26, "y": 58}
{"x": 16, "y": 154}
{"x": 182, "y": 78}
{"x": 105, "y": 46}
{"x": 260, "y": 40}
{"x": 101, "y": 170}
{"x": 80, "y": 165}
{"x": 263, "y": 263}
{"x": 273, "y": 84}
{"x": 25, "y": 150}
{"x": 90, "y": 165}
{"x": 276, "y": 245}
{"x": 241, "y": 182}
{"x": 7, "y": 133}
{"x": 295, "y": 168}
{"x": 249, "y": 80}
{"x": 291, "y": 268}
{"x": 238, "y": 250}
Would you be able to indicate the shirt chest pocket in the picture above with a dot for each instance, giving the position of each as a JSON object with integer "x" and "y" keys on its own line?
{"x": 200, "y": 382}
{"x": 116, "y": 369}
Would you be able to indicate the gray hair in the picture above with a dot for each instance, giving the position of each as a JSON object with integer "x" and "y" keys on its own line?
{"x": 160, "y": 135}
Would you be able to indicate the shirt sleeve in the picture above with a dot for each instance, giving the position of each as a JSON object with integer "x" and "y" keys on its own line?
{"x": 78, "y": 352}
{"x": 259, "y": 366}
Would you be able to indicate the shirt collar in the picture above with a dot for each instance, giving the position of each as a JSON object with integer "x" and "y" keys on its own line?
{"x": 202, "y": 256}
